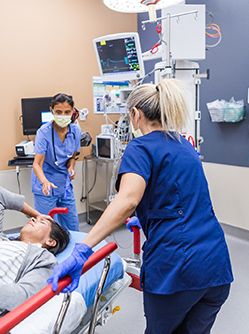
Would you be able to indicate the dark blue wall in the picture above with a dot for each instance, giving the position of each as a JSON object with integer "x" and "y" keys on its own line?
{"x": 225, "y": 143}
{"x": 148, "y": 39}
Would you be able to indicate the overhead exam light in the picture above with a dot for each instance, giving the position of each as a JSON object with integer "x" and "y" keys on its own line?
{"x": 139, "y": 6}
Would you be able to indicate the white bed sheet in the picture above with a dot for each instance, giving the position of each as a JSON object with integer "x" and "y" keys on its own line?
{"x": 42, "y": 320}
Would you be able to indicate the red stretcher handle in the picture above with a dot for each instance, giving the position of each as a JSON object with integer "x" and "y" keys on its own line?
{"x": 136, "y": 238}
{"x": 56, "y": 211}
{"x": 22, "y": 311}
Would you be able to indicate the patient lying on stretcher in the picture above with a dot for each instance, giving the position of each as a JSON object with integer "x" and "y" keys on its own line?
{"x": 27, "y": 261}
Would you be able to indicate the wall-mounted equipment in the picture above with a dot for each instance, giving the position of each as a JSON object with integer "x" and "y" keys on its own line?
{"x": 110, "y": 96}
{"x": 119, "y": 57}
{"x": 223, "y": 111}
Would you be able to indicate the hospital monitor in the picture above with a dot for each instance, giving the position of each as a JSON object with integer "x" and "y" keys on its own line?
{"x": 35, "y": 112}
{"x": 119, "y": 57}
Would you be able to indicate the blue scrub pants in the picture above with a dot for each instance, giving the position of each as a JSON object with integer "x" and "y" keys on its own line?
{"x": 44, "y": 204}
{"x": 186, "y": 312}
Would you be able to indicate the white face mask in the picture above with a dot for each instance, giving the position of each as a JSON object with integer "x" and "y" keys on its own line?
{"x": 137, "y": 133}
{"x": 62, "y": 121}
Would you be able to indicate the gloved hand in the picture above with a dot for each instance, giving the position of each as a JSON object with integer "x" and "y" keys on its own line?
{"x": 72, "y": 266}
{"x": 134, "y": 221}
{"x": 67, "y": 186}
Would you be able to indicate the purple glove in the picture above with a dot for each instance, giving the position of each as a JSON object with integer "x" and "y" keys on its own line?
{"x": 67, "y": 186}
{"x": 134, "y": 221}
{"x": 72, "y": 266}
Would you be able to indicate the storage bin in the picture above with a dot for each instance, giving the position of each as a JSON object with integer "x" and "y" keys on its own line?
{"x": 223, "y": 111}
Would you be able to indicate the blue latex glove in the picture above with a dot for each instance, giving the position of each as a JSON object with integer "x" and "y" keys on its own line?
{"x": 72, "y": 266}
{"x": 134, "y": 221}
{"x": 67, "y": 186}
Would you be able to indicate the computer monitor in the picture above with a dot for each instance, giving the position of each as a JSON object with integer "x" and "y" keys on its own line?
{"x": 105, "y": 146}
{"x": 119, "y": 57}
{"x": 35, "y": 112}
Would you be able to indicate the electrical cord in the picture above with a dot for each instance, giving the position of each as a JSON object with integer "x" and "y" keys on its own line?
{"x": 214, "y": 45}
{"x": 95, "y": 178}
{"x": 18, "y": 179}
{"x": 211, "y": 15}
{"x": 217, "y": 34}
{"x": 83, "y": 196}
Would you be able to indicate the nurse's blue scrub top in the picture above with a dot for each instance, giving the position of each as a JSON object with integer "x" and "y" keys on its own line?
{"x": 44, "y": 145}
{"x": 185, "y": 247}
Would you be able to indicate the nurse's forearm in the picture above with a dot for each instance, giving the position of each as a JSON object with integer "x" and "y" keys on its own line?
{"x": 39, "y": 173}
{"x": 131, "y": 190}
{"x": 113, "y": 217}
{"x": 71, "y": 162}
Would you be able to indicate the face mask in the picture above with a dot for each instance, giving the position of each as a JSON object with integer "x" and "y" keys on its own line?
{"x": 62, "y": 121}
{"x": 137, "y": 133}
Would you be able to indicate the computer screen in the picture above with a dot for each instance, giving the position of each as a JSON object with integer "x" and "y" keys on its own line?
{"x": 104, "y": 147}
{"x": 119, "y": 57}
{"x": 33, "y": 112}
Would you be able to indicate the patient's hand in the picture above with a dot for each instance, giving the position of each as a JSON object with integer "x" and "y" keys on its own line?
{"x": 72, "y": 266}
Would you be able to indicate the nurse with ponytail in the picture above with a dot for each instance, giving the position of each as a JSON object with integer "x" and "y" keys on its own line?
{"x": 186, "y": 271}
{"x": 56, "y": 145}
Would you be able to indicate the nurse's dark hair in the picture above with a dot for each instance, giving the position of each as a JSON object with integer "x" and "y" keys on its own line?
{"x": 61, "y": 98}
{"x": 164, "y": 102}
{"x": 60, "y": 235}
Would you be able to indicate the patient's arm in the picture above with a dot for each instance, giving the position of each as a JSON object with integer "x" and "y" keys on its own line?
{"x": 10, "y": 201}
{"x": 32, "y": 281}
{"x": 29, "y": 211}
{"x": 13, "y": 201}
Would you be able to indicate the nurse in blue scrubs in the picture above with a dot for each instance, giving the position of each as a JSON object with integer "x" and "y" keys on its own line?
{"x": 56, "y": 145}
{"x": 186, "y": 271}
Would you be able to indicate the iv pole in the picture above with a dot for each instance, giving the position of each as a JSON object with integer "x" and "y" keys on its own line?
{"x": 168, "y": 17}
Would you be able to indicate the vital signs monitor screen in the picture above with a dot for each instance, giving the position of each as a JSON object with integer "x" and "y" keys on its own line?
{"x": 119, "y": 56}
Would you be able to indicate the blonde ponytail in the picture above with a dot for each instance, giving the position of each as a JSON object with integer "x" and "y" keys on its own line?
{"x": 165, "y": 102}
{"x": 173, "y": 105}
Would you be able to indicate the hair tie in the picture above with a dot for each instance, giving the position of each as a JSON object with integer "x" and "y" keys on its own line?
{"x": 157, "y": 88}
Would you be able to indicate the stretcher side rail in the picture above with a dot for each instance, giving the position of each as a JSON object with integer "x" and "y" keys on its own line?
{"x": 135, "y": 264}
{"x": 17, "y": 315}
{"x": 67, "y": 298}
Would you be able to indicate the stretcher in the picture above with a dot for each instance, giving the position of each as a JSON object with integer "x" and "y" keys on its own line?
{"x": 107, "y": 280}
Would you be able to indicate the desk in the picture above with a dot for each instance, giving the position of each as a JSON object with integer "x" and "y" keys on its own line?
{"x": 103, "y": 203}
{"x": 21, "y": 161}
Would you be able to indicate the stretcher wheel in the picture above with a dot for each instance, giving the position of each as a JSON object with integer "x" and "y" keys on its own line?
{"x": 89, "y": 221}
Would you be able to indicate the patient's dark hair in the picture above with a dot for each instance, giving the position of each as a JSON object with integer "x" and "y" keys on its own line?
{"x": 60, "y": 235}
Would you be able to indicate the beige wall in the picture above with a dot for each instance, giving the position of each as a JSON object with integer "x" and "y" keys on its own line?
{"x": 229, "y": 189}
{"x": 46, "y": 48}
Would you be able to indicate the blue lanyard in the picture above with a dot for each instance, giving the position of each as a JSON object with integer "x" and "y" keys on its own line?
{"x": 70, "y": 133}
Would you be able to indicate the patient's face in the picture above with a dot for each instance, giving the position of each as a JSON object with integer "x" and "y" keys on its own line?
{"x": 37, "y": 230}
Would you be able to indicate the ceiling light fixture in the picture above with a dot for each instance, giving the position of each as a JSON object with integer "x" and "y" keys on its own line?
{"x": 140, "y": 6}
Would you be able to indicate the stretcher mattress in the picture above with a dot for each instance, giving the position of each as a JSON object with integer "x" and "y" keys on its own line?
{"x": 89, "y": 281}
